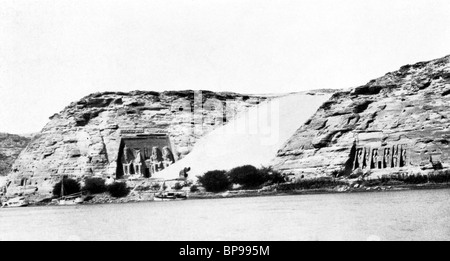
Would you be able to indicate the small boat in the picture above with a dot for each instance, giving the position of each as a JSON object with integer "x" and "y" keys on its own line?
{"x": 170, "y": 195}
{"x": 70, "y": 200}
{"x": 164, "y": 195}
{"x": 16, "y": 202}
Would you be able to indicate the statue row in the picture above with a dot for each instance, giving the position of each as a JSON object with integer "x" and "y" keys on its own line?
{"x": 380, "y": 158}
{"x": 146, "y": 164}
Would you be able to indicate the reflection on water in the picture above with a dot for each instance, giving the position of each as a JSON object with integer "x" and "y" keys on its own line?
{"x": 406, "y": 215}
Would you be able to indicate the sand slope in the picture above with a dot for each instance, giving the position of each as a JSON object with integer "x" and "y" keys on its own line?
{"x": 252, "y": 138}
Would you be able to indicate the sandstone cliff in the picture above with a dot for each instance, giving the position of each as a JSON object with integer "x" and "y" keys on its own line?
{"x": 85, "y": 138}
{"x": 398, "y": 122}
{"x": 10, "y": 147}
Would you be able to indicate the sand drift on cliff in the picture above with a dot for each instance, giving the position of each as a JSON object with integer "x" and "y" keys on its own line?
{"x": 252, "y": 138}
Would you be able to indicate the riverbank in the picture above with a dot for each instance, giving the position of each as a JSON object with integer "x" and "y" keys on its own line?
{"x": 147, "y": 196}
{"x": 258, "y": 193}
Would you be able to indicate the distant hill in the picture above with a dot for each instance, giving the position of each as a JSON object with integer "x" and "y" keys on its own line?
{"x": 10, "y": 147}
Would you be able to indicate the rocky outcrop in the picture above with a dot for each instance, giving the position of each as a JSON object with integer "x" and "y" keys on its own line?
{"x": 10, "y": 147}
{"x": 398, "y": 122}
{"x": 85, "y": 138}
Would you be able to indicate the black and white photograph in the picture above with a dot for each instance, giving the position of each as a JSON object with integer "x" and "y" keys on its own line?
{"x": 252, "y": 121}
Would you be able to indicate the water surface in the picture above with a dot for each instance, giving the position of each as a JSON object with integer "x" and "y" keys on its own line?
{"x": 404, "y": 215}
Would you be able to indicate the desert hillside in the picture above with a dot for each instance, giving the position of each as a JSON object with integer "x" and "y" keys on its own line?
{"x": 10, "y": 147}
{"x": 253, "y": 137}
{"x": 99, "y": 134}
{"x": 397, "y": 123}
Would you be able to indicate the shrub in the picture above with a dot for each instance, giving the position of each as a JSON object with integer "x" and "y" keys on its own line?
{"x": 194, "y": 188}
{"x": 386, "y": 179}
{"x": 356, "y": 174}
{"x": 71, "y": 186}
{"x": 414, "y": 179}
{"x": 156, "y": 186}
{"x": 177, "y": 186}
{"x": 215, "y": 181}
{"x": 276, "y": 178}
{"x": 118, "y": 189}
{"x": 371, "y": 182}
{"x": 440, "y": 177}
{"x": 142, "y": 188}
{"x": 436, "y": 177}
{"x": 248, "y": 176}
{"x": 272, "y": 176}
{"x": 316, "y": 183}
{"x": 338, "y": 173}
{"x": 95, "y": 185}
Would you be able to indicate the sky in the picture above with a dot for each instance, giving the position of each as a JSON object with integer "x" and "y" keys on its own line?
{"x": 54, "y": 52}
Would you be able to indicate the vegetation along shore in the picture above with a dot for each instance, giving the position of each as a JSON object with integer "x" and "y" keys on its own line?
{"x": 244, "y": 181}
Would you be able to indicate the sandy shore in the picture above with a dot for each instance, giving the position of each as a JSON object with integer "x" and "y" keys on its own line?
{"x": 148, "y": 195}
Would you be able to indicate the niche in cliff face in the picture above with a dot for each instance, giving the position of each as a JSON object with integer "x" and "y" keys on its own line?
{"x": 327, "y": 105}
{"x": 348, "y": 168}
{"x": 424, "y": 85}
{"x": 367, "y": 90}
{"x": 95, "y": 102}
{"x": 83, "y": 119}
{"x": 360, "y": 107}
{"x": 143, "y": 155}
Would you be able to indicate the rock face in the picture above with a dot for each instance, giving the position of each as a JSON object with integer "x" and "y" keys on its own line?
{"x": 399, "y": 122}
{"x": 87, "y": 137}
{"x": 10, "y": 147}
{"x": 253, "y": 138}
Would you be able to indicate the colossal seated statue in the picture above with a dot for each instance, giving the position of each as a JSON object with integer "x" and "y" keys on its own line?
{"x": 366, "y": 163}
{"x": 137, "y": 163}
{"x": 403, "y": 156}
{"x": 395, "y": 156}
{"x": 156, "y": 160}
{"x": 387, "y": 158}
{"x": 168, "y": 158}
{"x": 359, "y": 158}
{"x": 374, "y": 164}
{"x": 127, "y": 160}
{"x": 390, "y": 157}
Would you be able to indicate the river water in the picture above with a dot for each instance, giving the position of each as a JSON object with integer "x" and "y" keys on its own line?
{"x": 399, "y": 215}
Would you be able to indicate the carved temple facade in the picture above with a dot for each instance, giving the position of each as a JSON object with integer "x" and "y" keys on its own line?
{"x": 143, "y": 155}
{"x": 385, "y": 157}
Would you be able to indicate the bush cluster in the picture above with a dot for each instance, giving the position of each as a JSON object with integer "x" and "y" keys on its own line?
{"x": 177, "y": 186}
{"x": 71, "y": 186}
{"x": 156, "y": 186}
{"x": 215, "y": 181}
{"x": 247, "y": 176}
{"x": 95, "y": 185}
{"x": 316, "y": 183}
{"x": 194, "y": 188}
{"x": 118, "y": 189}
{"x": 442, "y": 176}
